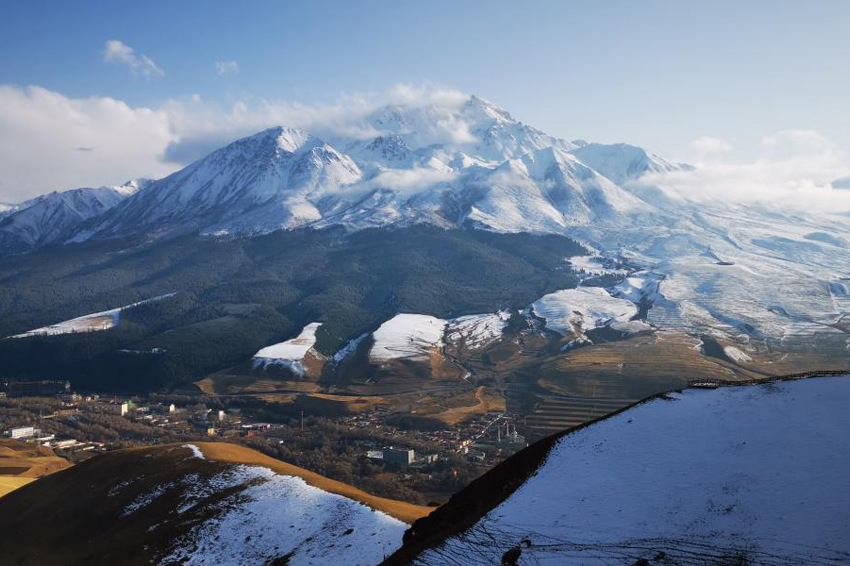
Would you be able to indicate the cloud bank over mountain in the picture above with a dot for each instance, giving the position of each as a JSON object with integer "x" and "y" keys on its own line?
{"x": 795, "y": 169}
{"x": 46, "y": 131}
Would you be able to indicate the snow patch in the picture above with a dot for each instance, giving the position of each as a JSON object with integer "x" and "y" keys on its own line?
{"x": 477, "y": 330}
{"x": 735, "y": 354}
{"x": 196, "y": 452}
{"x": 576, "y": 311}
{"x": 592, "y": 265}
{"x": 349, "y": 348}
{"x": 93, "y": 322}
{"x": 289, "y": 353}
{"x": 408, "y": 337}
{"x": 642, "y": 285}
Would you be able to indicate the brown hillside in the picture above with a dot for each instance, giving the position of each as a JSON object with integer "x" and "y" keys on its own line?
{"x": 22, "y": 463}
{"x": 79, "y": 516}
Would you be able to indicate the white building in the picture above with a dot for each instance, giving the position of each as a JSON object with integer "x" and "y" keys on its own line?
{"x": 22, "y": 432}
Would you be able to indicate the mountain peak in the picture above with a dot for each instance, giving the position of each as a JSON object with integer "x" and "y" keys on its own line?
{"x": 622, "y": 162}
{"x": 489, "y": 109}
{"x": 466, "y": 160}
{"x": 52, "y": 217}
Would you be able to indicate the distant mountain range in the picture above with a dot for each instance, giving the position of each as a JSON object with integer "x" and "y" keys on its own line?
{"x": 766, "y": 280}
{"x": 54, "y": 217}
{"x": 494, "y": 172}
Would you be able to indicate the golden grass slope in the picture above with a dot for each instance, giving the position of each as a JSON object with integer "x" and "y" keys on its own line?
{"x": 22, "y": 463}
{"x": 235, "y": 454}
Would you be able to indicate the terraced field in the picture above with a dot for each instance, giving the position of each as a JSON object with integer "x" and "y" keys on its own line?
{"x": 556, "y": 413}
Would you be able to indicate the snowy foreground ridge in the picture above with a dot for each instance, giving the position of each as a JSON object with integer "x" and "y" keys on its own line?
{"x": 702, "y": 476}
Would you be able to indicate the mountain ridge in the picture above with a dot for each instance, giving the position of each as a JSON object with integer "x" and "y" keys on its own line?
{"x": 54, "y": 217}
{"x": 471, "y": 163}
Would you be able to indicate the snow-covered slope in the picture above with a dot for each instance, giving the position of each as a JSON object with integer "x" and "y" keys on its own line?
{"x": 200, "y": 503}
{"x": 407, "y": 337}
{"x": 622, "y": 162}
{"x": 476, "y": 330}
{"x": 264, "y": 182}
{"x": 277, "y": 515}
{"x": 103, "y": 320}
{"x": 290, "y": 353}
{"x": 415, "y": 337}
{"x": 577, "y": 311}
{"x": 51, "y": 218}
{"x": 448, "y": 165}
{"x": 736, "y": 475}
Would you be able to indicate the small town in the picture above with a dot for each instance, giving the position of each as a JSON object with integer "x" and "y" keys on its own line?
{"x": 362, "y": 448}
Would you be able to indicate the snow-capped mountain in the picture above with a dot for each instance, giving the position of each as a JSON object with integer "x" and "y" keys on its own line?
{"x": 622, "y": 162}
{"x": 51, "y": 218}
{"x": 473, "y": 164}
{"x": 771, "y": 272}
{"x": 272, "y": 180}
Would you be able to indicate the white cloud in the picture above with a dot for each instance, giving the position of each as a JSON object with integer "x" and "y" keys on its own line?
{"x": 789, "y": 143}
{"x": 794, "y": 169}
{"x": 225, "y": 68}
{"x": 140, "y": 65}
{"x": 420, "y": 95}
{"x": 51, "y": 142}
{"x": 708, "y": 145}
{"x": 204, "y": 125}
{"x": 409, "y": 179}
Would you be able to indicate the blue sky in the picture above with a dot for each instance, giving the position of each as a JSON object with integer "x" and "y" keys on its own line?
{"x": 657, "y": 74}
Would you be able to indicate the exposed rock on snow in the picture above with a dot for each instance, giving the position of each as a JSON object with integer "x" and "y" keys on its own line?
{"x": 477, "y": 330}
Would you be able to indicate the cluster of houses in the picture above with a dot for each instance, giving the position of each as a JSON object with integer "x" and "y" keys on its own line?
{"x": 404, "y": 457}
{"x": 36, "y": 435}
